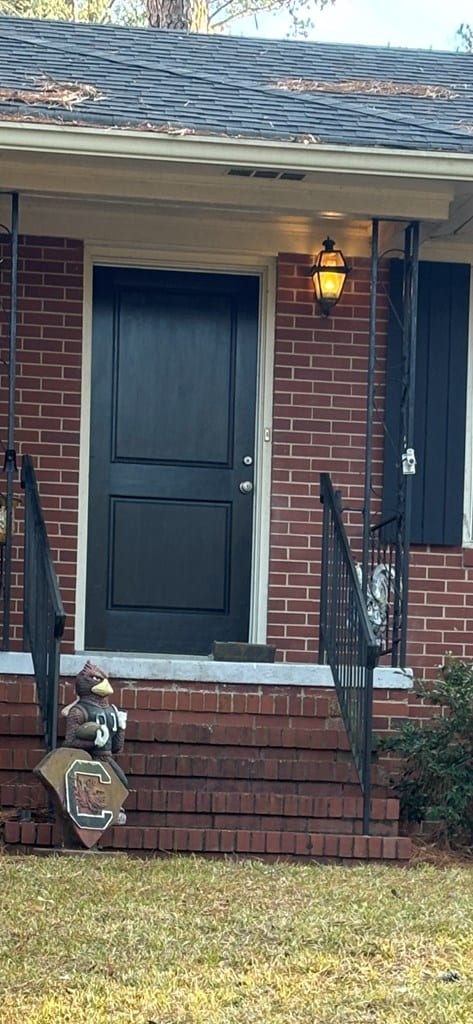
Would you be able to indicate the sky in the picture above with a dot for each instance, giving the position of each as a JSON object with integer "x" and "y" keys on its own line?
{"x": 426, "y": 24}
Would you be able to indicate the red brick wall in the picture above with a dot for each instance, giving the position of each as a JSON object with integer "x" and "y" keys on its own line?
{"x": 50, "y": 296}
{"x": 440, "y": 606}
{"x": 319, "y": 425}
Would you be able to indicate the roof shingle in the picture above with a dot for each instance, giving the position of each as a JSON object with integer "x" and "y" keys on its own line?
{"x": 238, "y": 87}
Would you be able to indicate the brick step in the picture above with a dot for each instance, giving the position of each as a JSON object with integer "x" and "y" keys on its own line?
{"x": 259, "y": 811}
{"x": 159, "y": 696}
{"x": 21, "y": 786}
{"x": 287, "y": 805}
{"x": 249, "y": 752}
{"x": 234, "y": 764}
{"x": 25, "y": 793}
{"x": 192, "y": 727}
{"x": 259, "y": 731}
{"x": 22, "y": 752}
{"x": 323, "y": 741}
{"x": 197, "y": 784}
{"x": 258, "y": 823}
{"x": 293, "y": 811}
{"x": 211, "y": 796}
{"x": 225, "y": 772}
{"x": 269, "y": 844}
{"x": 17, "y": 754}
{"x": 250, "y": 766}
{"x": 292, "y": 712}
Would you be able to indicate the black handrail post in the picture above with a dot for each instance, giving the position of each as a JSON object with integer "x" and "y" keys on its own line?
{"x": 368, "y": 737}
{"x": 397, "y": 604}
{"x": 44, "y": 617}
{"x": 323, "y": 592}
{"x": 53, "y": 680}
{"x": 9, "y": 465}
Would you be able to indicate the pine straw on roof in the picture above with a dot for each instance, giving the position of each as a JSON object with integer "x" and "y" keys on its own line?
{"x": 126, "y": 126}
{"x": 52, "y": 94}
{"x": 112, "y": 940}
{"x": 367, "y": 86}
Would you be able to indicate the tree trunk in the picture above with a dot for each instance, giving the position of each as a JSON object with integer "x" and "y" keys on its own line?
{"x": 192, "y": 15}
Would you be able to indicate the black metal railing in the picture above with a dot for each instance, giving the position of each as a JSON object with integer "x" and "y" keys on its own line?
{"x": 386, "y": 608}
{"x": 43, "y": 611}
{"x": 346, "y": 640}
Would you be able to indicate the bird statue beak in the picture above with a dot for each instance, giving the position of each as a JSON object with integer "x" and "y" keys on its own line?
{"x": 102, "y": 689}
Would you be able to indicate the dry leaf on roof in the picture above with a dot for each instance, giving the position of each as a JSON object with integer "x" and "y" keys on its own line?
{"x": 307, "y": 140}
{"x": 367, "y": 86}
{"x": 50, "y": 93}
{"x": 143, "y": 126}
{"x": 166, "y": 129}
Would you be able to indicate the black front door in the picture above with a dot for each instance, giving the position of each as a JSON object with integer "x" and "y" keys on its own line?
{"x": 172, "y": 421}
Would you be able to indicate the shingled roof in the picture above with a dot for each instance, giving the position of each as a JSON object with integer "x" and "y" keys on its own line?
{"x": 180, "y": 83}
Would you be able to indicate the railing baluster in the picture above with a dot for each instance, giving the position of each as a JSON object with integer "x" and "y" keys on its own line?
{"x": 347, "y": 640}
{"x": 43, "y": 612}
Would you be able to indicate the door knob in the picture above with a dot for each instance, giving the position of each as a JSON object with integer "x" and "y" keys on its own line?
{"x": 246, "y": 487}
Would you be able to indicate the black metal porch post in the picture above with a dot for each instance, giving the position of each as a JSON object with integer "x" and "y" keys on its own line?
{"x": 411, "y": 282}
{"x": 370, "y": 405}
{"x": 9, "y": 466}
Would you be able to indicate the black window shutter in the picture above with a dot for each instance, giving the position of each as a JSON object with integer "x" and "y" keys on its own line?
{"x": 440, "y": 403}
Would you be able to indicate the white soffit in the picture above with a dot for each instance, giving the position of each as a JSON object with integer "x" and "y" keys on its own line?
{"x": 312, "y": 190}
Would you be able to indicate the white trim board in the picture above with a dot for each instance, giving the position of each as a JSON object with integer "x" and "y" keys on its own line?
{"x": 132, "y": 667}
{"x": 265, "y": 269}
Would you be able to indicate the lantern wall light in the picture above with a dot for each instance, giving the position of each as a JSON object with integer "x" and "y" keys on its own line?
{"x": 329, "y": 274}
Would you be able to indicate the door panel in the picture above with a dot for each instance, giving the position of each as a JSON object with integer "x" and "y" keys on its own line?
{"x": 173, "y": 536}
{"x": 173, "y": 411}
{"x": 190, "y": 342}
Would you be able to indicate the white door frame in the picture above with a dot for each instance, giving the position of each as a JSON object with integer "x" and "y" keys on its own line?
{"x": 265, "y": 269}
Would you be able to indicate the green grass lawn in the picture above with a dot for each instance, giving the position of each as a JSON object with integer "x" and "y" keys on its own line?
{"x": 185, "y": 941}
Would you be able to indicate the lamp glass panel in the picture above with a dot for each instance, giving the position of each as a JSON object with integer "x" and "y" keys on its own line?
{"x": 328, "y": 283}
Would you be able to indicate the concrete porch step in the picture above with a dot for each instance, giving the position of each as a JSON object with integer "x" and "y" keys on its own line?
{"x": 268, "y": 844}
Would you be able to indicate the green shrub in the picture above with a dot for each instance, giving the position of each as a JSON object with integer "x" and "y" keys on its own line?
{"x": 435, "y": 782}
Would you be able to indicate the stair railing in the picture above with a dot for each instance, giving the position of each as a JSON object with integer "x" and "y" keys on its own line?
{"x": 346, "y": 640}
{"x": 388, "y": 609}
{"x": 43, "y": 611}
